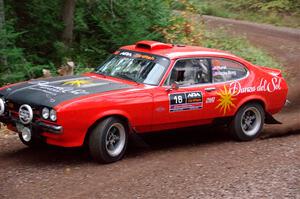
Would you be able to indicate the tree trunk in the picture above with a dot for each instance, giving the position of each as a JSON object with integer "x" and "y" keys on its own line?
{"x": 67, "y": 17}
{"x": 2, "y": 14}
{"x": 3, "y": 60}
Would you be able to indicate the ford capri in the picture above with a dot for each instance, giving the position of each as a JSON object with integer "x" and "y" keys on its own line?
{"x": 146, "y": 87}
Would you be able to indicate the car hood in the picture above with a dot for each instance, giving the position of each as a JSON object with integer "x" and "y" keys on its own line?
{"x": 51, "y": 92}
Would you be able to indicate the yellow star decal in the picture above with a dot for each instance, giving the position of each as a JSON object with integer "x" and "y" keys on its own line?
{"x": 226, "y": 100}
{"x": 77, "y": 83}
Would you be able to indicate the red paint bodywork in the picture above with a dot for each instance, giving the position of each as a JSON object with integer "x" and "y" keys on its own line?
{"x": 147, "y": 107}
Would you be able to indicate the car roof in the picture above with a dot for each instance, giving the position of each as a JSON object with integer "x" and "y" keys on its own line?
{"x": 176, "y": 51}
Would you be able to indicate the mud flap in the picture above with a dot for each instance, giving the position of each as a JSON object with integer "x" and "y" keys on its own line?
{"x": 271, "y": 120}
{"x": 137, "y": 140}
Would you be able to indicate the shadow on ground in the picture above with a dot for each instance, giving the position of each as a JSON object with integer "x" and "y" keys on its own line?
{"x": 145, "y": 144}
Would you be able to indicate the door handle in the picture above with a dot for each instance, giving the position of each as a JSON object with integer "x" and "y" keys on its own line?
{"x": 210, "y": 89}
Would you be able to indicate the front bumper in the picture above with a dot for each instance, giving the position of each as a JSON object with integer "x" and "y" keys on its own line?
{"x": 52, "y": 134}
{"x": 56, "y": 129}
{"x": 37, "y": 126}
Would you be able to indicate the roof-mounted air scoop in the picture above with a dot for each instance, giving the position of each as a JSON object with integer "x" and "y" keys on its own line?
{"x": 152, "y": 45}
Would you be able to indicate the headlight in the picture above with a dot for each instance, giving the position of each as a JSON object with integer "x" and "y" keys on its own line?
{"x": 2, "y": 106}
{"x": 45, "y": 113}
{"x": 53, "y": 115}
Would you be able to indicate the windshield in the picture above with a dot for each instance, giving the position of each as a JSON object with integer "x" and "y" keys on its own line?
{"x": 134, "y": 66}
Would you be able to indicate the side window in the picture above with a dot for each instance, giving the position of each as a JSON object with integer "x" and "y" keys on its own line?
{"x": 226, "y": 70}
{"x": 189, "y": 72}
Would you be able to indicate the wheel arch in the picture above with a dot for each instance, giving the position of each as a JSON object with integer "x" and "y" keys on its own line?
{"x": 235, "y": 125}
{"x": 269, "y": 119}
{"x": 118, "y": 114}
{"x": 253, "y": 99}
{"x": 228, "y": 119}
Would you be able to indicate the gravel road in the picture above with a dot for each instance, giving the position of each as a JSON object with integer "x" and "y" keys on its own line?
{"x": 190, "y": 163}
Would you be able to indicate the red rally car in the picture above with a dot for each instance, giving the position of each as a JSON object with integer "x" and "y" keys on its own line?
{"x": 146, "y": 87}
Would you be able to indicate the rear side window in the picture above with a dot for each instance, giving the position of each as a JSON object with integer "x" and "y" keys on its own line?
{"x": 227, "y": 70}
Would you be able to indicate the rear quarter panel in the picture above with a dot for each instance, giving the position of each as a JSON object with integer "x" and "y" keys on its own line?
{"x": 261, "y": 85}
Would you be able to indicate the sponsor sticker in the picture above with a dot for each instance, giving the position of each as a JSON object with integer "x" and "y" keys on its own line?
{"x": 210, "y": 100}
{"x": 77, "y": 83}
{"x": 136, "y": 55}
{"x": 127, "y": 54}
{"x": 264, "y": 86}
{"x": 185, "y": 101}
{"x": 148, "y": 57}
{"x": 226, "y": 100}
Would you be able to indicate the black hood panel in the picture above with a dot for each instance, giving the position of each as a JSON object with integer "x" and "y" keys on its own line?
{"x": 53, "y": 91}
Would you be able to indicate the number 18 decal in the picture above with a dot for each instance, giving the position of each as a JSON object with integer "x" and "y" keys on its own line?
{"x": 185, "y": 101}
{"x": 177, "y": 98}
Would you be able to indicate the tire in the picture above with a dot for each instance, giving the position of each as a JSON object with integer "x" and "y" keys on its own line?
{"x": 248, "y": 122}
{"x": 108, "y": 140}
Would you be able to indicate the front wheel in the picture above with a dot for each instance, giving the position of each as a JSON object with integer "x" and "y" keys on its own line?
{"x": 108, "y": 140}
{"x": 248, "y": 122}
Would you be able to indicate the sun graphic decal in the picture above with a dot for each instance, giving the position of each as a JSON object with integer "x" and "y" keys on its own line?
{"x": 77, "y": 82}
{"x": 225, "y": 101}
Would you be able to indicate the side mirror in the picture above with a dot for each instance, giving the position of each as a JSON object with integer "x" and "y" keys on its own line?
{"x": 174, "y": 86}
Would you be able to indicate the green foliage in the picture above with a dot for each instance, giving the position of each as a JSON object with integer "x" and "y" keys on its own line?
{"x": 24, "y": 42}
{"x": 8, "y": 51}
{"x": 198, "y": 35}
{"x": 31, "y": 37}
{"x": 40, "y": 22}
{"x": 276, "y": 6}
{"x": 102, "y": 27}
{"x": 239, "y": 46}
{"x": 14, "y": 66}
{"x": 277, "y": 12}
{"x": 178, "y": 5}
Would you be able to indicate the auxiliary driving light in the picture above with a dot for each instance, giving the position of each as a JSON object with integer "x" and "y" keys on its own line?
{"x": 26, "y": 134}
{"x": 2, "y": 106}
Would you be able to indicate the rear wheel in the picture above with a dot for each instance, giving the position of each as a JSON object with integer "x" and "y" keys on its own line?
{"x": 108, "y": 140}
{"x": 248, "y": 122}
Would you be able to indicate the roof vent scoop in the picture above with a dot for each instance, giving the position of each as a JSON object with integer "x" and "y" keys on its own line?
{"x": 152, "y": 45}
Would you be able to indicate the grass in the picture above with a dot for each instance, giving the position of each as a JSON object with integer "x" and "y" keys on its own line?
{"x": 191, "y": 31}
{"x": 235, "y": 10}
{"x": 239, "y": 46}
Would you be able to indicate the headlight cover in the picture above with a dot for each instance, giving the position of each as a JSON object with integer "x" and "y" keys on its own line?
{"x": 53, "y": 116}
{"x": 45, "y": 113}
{"x": 2, "y": 106}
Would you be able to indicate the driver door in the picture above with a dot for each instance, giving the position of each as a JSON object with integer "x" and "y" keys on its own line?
{"x": 181, "y": 105}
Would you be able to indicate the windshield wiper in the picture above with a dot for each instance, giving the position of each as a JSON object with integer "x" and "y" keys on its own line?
{"x": 100, "y": 73}
{"x": 125, "y": 76}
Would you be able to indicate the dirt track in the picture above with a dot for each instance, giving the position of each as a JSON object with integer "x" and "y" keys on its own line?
{"x": 191, "y": 163}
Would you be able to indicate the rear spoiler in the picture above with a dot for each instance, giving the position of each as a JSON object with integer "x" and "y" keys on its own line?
{"x": 272, "y": 71}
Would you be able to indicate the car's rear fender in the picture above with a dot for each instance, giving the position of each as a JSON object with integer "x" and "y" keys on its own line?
{"x": 269, "y": 119}
{"x": 272, "y": 71}
{"x": 252, "y": 98}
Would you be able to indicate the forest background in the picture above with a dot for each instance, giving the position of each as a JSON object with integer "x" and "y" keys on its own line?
{"x": 41, "y": 35}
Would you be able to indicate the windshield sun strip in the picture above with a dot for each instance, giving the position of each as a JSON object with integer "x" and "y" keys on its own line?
{"x": 156, "y": 61}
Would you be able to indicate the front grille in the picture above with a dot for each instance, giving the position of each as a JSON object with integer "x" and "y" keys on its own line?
{"x": 13, "y": 109}
{"x": 11, "y": 106}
